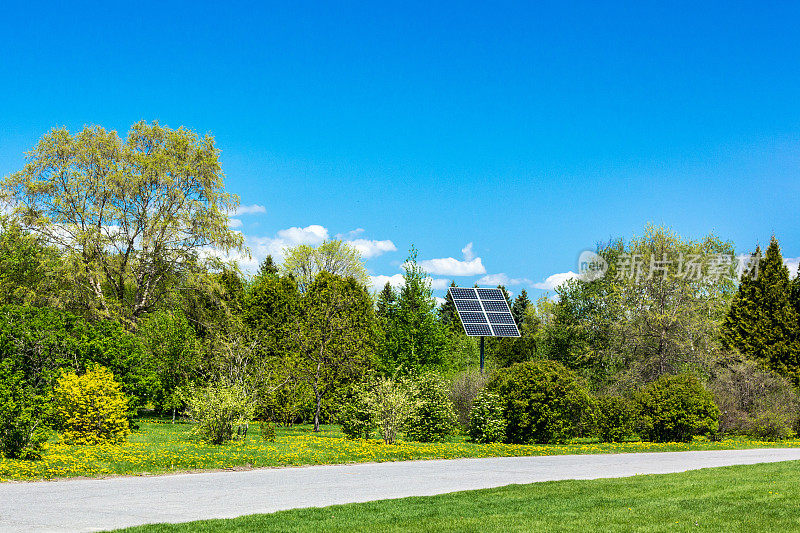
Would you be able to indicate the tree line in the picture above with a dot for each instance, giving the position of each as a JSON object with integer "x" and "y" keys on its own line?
{"x": 112, "y": 253}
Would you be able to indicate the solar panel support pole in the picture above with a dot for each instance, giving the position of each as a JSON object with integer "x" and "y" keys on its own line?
{"x": 482, "y": 355}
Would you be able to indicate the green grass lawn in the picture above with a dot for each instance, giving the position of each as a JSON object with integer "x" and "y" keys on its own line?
{"x": 731, "y": 499}
{"x": 161, "y": 447}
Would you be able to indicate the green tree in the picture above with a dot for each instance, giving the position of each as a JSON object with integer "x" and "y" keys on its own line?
{"x": 268, "y": 267}
{"x": 414, "y": 340}
{"x": 129, "y": 214}
{"x": 387, "y": 300}
{"x": 31, "y": 273}
{"x": 40, "y": 342}
{"x": 762, "y": 322}
{"x": 448, "y": 315}
{"x": 174, "y": 354}
{"x": 520, "y": 307}
{"x": 304, "y": 262}
{"x": 334, "y": 336}
{"x": 656, "y": 311}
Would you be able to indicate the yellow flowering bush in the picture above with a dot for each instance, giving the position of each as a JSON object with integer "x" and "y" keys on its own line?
{"x": 91, "y": 409}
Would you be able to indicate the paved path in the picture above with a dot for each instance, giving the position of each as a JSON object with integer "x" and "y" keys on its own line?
{"x": 90, "y": 505}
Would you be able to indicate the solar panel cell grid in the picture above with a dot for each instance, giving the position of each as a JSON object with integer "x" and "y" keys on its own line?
{"x": 490, "y": 294}
{"x": 467, "y": 317}
{"x": 458, "y": 292}
{"x": 477, "y": 330}
{"x": 501, "y": 318}
{"x": 468, "y": 305}
{"x": 496, "y": 306}
{"x": 502, "y": 330}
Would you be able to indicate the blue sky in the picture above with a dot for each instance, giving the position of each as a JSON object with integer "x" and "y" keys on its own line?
{"x": 530, "y": 130}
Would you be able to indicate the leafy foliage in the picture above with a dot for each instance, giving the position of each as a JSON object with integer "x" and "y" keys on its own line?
{"x": 174, "y": 355}
{"x": 90, "y": 408}
{"x": 750, "y": 398}
{"x": 334, "y": 335}
{"x": 22, "y": 414}
{"x": 305, "y": 262}
{"x": 433, "y": 417}
{"x": 219, "y": 408}
{"x": 763, "y": 322}
{"x": 40, "y": 342}
{"x": 130, "y": 214}
{"x": 356, "y": 415}
{"x": 464, "y": 388}
{"x": 542, "y": 403}
{"x": 616, "y": 418}
{"x": 392, "y": 403}
{"x": 655, "y": 311}
{"x": 676, "y": 408}
{"x": 486, "y": 420}
{"x": 414, "y": 340}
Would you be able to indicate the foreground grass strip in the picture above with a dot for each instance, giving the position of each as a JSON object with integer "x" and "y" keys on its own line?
{"x": 158, "y": 448}
{"x": 736, "y": 498}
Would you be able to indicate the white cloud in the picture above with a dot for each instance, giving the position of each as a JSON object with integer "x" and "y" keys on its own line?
{"x": 250, "y": 210}
{"x": 503, "y": 279}
{"x": 313, "y": 235}
{"x": 377, "y": 282}
{"x": 397, "y": 281}
{"x": 350, "y": 235}
{"x": 370, "y": 249}
{"x": 449, "y": 266}
{"x": 439, "y": 284}
{"x": 792, "y": 263}
{"x": 469, "y": 255}
{"x": 555, "y": 280}
{"x": 439, "y": 301}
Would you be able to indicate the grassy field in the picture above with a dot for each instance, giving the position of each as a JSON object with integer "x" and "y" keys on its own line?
{"x": 738, "y": 498}
{"x": 160, "y": 447}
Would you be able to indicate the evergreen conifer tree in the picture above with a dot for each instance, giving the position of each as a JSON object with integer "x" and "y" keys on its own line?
{"x": 386, "y": 301}
{"x": 521, "y": 304}
{"x": 447, "y": 311}
{"x": 763, "y": 322}
{"x": 268, "y": 267}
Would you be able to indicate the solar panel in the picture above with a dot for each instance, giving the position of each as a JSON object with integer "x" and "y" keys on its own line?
{"x": 505, "y": 330}
{"x": 490, "y": 294}
{"x": 484, "y": 312}
{"x": 478, "y": 330}
{"x": 500, "y": 318}
{"x": 496, "y": 306}
{"x": 468, "y": 305}
{"x": 473, "y": 318}
{"x": 467, "y": 294}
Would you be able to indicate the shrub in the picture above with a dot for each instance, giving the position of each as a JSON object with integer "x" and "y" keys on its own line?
{"x": 675, "y": 409}
{"x": 750, "y": 397}
{"x": 616, "y": 418}
{"x": 486, "y": 422}
{"x": 218, "y": 408}
{"x": 432, "y": 418}
{"x": 542, "y": 403}
{"x": 91, "y": 408}
{"x": 463, "y": 391}
{"x": 22, "y": 431}
{"x": 356, "y": 416}
{"x": 771, "y": 426}
{"x": 267, "y": 431}
{"x": 391, "y": 403}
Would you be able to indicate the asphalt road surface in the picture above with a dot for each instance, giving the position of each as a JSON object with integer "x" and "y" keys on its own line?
{"x": 98, "y": 504}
